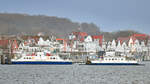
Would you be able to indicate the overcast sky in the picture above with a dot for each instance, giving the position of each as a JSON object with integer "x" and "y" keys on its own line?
{"x": 109, "y": 15}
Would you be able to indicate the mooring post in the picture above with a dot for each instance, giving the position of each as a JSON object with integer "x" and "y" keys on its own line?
{"x": 9, "y": 59}
{"x": 2, "y": 59}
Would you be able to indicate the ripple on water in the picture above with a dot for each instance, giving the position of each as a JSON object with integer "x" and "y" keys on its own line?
{"x": 74, "y": 74}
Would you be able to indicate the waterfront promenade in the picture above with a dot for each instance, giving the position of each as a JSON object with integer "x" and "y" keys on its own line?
{"x": 74, "y": 74}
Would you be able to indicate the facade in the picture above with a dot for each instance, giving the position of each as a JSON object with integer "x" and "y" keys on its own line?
{"x": 137, "y": 44}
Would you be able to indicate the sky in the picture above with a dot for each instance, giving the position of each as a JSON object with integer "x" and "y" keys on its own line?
{"x": 109, "y": 15}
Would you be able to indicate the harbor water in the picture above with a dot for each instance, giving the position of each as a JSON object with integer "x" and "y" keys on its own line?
{"x": 74, "y": 74}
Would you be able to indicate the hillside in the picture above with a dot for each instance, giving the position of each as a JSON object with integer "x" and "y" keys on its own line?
{"x": 109, "y": 36}
{"x": 16, "y": 23}
{"x": 61, "y": 27}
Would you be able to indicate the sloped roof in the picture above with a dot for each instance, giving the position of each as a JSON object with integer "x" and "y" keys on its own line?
{"x": 83, "y": 34}
{"x": 97, "y": 37}
{"x": 80, "y": 35}
{"x": 123, "y": 39}
{"x": 100, "y": 37}
{"x": 14, "y": 44}
{"x": 140, "y": 36}
{"x": 4, "y": 43}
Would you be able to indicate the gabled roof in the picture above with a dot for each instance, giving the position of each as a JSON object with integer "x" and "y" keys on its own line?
{"x": 125, "y": 39}
{"x": 14, "y": 44}
{"x": 80, "y": 35}
{"x": 140, "y": 36}
{"x": 134, "y": 37}
{"x": 97, "y": 37}
{"x": 4, "y": 43}
{"x": 100, "y": 37}
{"x": 83, "y": 34}
{"x": 59, "y": 39}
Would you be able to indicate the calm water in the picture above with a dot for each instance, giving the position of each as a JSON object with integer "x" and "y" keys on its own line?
{"x": 74, "y": 74}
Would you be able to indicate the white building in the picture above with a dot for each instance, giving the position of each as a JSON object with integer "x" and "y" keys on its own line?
{"x": 113, "y": 45}
{"x": 91, "y": 45}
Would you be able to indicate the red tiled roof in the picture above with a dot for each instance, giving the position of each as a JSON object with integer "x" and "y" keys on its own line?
{"x": 59, "y": 39}
{"x": 100, "y": 37}
{"x": 123, "y": 39}
{"x": 97, "y": 36}
{"x": 140, "y": 36}
{"x": 4, "y": 42}
{"x": 80, "y": 35}
{"x": 134, "y": 37}
{"x": 83, "y": 34}
{"x": 14, "y": 44}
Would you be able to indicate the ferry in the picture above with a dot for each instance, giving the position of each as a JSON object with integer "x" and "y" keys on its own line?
{"x": 115, "y": 60}
{"x": 40, "y": 58}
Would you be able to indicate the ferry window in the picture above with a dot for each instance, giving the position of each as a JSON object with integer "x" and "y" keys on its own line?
{"x": 112, "y": 59}
{"x": 121, "y": 59}
{"x": 116, "y": 59}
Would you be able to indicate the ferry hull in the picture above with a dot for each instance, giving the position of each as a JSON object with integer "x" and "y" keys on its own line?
{"x": 113, "y": 64}
{"x": 40, "y": 62}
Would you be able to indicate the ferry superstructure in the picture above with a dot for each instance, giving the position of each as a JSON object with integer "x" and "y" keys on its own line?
{"x": 117, "y": 60}
{"x": 42, "y": 52}
{"x": 40, "y": 58}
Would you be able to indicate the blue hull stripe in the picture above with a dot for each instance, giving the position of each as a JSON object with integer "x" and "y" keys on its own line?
{"x": 113, "y": 64}
{"x": 40, "y": 62}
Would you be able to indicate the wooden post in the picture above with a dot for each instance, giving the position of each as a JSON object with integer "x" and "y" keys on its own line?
{"x": 9, "y": 58}
{"x": 2, "y": 59}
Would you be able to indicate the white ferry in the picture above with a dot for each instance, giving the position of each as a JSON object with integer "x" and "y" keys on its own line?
{"x": 39, "y": 58}
{"x": 115, "y": 60}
